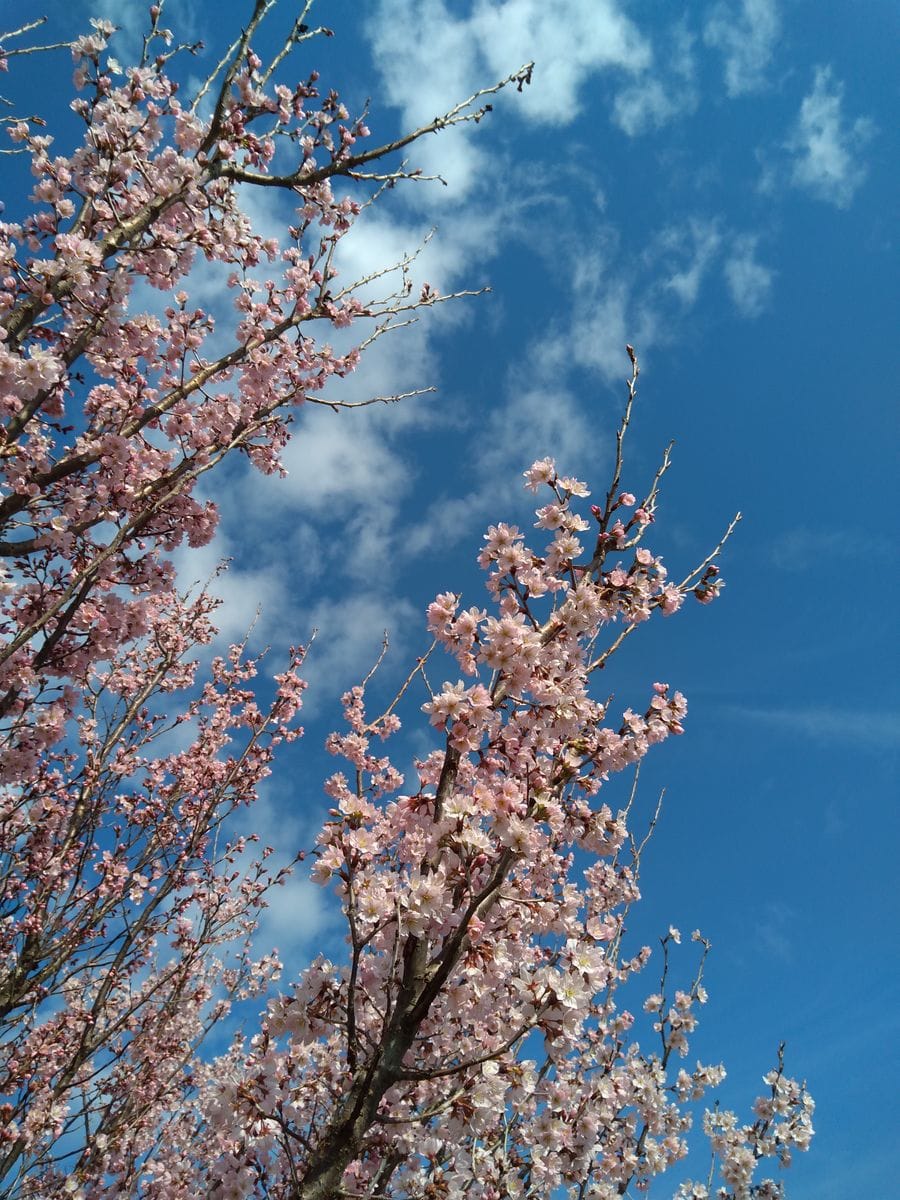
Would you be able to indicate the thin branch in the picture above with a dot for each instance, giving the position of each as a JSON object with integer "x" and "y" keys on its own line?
{"x": 489, "y": 1056}
{"x": 714, "y": 554}
{"x": 600, "y": 661}
{"x": 638, "y": 850}
{"x": 417, "y": 669}
{"x": 24, "y": 28}
{"x": 334, "y": 405}
{"x": 385, "y": 644}
{"x": 4, "y": 53}
{"x": 34, "y": 49}
{"x": 299, "y": 33}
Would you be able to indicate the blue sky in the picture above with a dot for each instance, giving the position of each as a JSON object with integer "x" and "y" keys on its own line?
{"x": 713, "y": 183}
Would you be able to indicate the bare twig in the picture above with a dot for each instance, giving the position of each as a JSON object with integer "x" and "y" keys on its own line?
{"x": 5, "y": 53}
{"x": 334, "y": 405}
{"x": 714, "y": 554}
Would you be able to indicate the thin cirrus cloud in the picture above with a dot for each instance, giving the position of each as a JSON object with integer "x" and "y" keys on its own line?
{"x": 350, "y": 632}
{"x": 773, "y": 931}
{"x": 876, "y": 731}
{"x": 800, "y": 548}
{"x": 649, "y": 104}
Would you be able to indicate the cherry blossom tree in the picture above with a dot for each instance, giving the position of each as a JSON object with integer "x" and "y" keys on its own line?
{"x": 473, "y": 1043}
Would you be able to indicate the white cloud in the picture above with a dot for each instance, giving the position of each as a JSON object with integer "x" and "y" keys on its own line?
{"x": 569, "y": 41}
{"x": 380, "y": 239}
{"x": 749, "y": 281}
{"x": 746, "y": 34}
{"x": 428, "y": 63}
{"x": 826, "y": 147}
{"x": 430, "y": 59}
{"x": 448, "y": 518}
{"x": 332, "y": 522}
{"x": 131, "y": 22}
{"x": 604, "y": 319}
{"x": 622, "y": 293}
{"x": 540, "y": 416}
{"x": 338, "y": 459}
{"x": 299, "y": 915}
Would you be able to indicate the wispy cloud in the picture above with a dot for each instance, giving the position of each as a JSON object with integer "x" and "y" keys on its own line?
{"x": 570, "y": 41}
{"x": 298, "y": 916}
{"x": 749, "y": 281}
{"x": 338, "y": 459}
{"x": 620, "y": 294}
{"x": 644, "y": 106}
{"x": 863, "y": 729}
{"x": 540, "y": 415}
{"x": 772, "y": 930}
{"x": 800, "y": 548}
{"x": 693, "y": 247}
{"x": 825, "y": 146}
{"x": 746, "y": 34}
{"x": 663, "y": 91}
{"x": 616, "y": 295}
{"x": 131, "y": 22}
{"x": 253, "y": 596}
